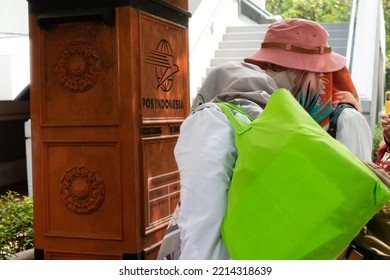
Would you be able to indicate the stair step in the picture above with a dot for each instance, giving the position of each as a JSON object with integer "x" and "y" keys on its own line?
{"x": 333, "y": 34}
{"x": 241, "y": 53}
{"x": 338, "y": 42}
{"x": 339, "y": 33}
{"x": 243, "y": 36}
{"x": 335, "y": 25}
{"x": 241, "y": 41}
{"x": 253, "y": 44}
{"x": 218, "y": 60}
{"x": 247, "y": 28}
{"x": 244, "y": 52}
{"x": 263, "y": 27}
{"x": 340, "y": 50}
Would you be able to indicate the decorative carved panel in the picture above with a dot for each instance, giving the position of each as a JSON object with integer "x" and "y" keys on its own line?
{"x": 79, "y": 85}
{"x": 78, "y": 66}
{"x": 82, "y": 189}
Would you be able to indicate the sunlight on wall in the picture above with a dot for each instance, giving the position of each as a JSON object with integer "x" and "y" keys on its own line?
{"x": 14, "y": 66}
{"x": 14, "y": 48}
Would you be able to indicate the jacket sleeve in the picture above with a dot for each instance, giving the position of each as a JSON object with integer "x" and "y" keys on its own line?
{"x": 205, "y": 154}
{"x": 354, "y": 132}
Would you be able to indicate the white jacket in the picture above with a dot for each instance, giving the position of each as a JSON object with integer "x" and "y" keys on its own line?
{"x": 206, "y": 154}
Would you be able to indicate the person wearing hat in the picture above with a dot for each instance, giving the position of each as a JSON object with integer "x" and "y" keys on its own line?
{"x": 294, "y": 55}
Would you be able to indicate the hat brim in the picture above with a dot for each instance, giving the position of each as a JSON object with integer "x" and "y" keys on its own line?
{"x": 321, "y": 63}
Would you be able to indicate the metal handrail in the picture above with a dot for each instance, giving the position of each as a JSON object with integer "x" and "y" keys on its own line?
{"x": 351, "y": 34}
{"x": 260, "y": 13}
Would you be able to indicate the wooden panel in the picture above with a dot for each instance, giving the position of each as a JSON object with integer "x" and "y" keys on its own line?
{"x": 66, "y": 255}
{"x": 161, "y": 181}
{"x": 178, "y": 3}
{"x": 151, "y": 253}
{"x": 82, "y": 194}
{"x": 79, "y": 85}
{"x": 164, "y": 69}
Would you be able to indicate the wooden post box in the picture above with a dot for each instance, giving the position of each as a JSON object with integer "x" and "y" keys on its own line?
{"x": 109, "y": 91}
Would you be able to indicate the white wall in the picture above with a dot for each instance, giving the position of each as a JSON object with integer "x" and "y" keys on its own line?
{"x": 367, "y": 61}
{"x": 14, "y": 48}
{"x": 5, "y": 77}
{"x": 206, "y": 28}
{"x": 13, "y": 17}
{"x": 15, "y": 66}
{"x": 193, "y": 5}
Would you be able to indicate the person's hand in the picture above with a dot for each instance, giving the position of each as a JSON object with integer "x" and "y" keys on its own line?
{"x": 385, "y": 121}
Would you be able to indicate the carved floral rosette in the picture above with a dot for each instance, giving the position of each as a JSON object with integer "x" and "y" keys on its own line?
{"x": 82, "y": 190}
{"x": 78, "y": 66}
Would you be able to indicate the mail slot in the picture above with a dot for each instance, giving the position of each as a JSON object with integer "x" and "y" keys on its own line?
{"x": 109, "y": 91}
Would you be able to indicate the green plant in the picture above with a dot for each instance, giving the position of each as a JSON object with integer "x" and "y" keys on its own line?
{"x": 377, "y": 140}
{"x": 16, "y": 224}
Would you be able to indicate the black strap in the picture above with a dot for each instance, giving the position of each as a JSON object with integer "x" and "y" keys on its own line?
{"x": 335, "y": 116}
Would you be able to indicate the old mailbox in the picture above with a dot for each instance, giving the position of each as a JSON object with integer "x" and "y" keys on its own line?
{"x": 109, "y": 91}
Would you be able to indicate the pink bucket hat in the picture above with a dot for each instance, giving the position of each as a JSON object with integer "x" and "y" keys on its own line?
{"x": 299, "y": 44}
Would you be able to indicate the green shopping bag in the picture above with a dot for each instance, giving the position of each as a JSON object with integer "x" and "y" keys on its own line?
{"x": 296, "y": 193}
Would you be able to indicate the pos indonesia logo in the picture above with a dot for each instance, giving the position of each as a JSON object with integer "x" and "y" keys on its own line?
{"x": 164, "y": 65}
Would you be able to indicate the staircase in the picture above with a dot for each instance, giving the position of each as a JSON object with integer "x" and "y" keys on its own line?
{"x": 241, "y": 41}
